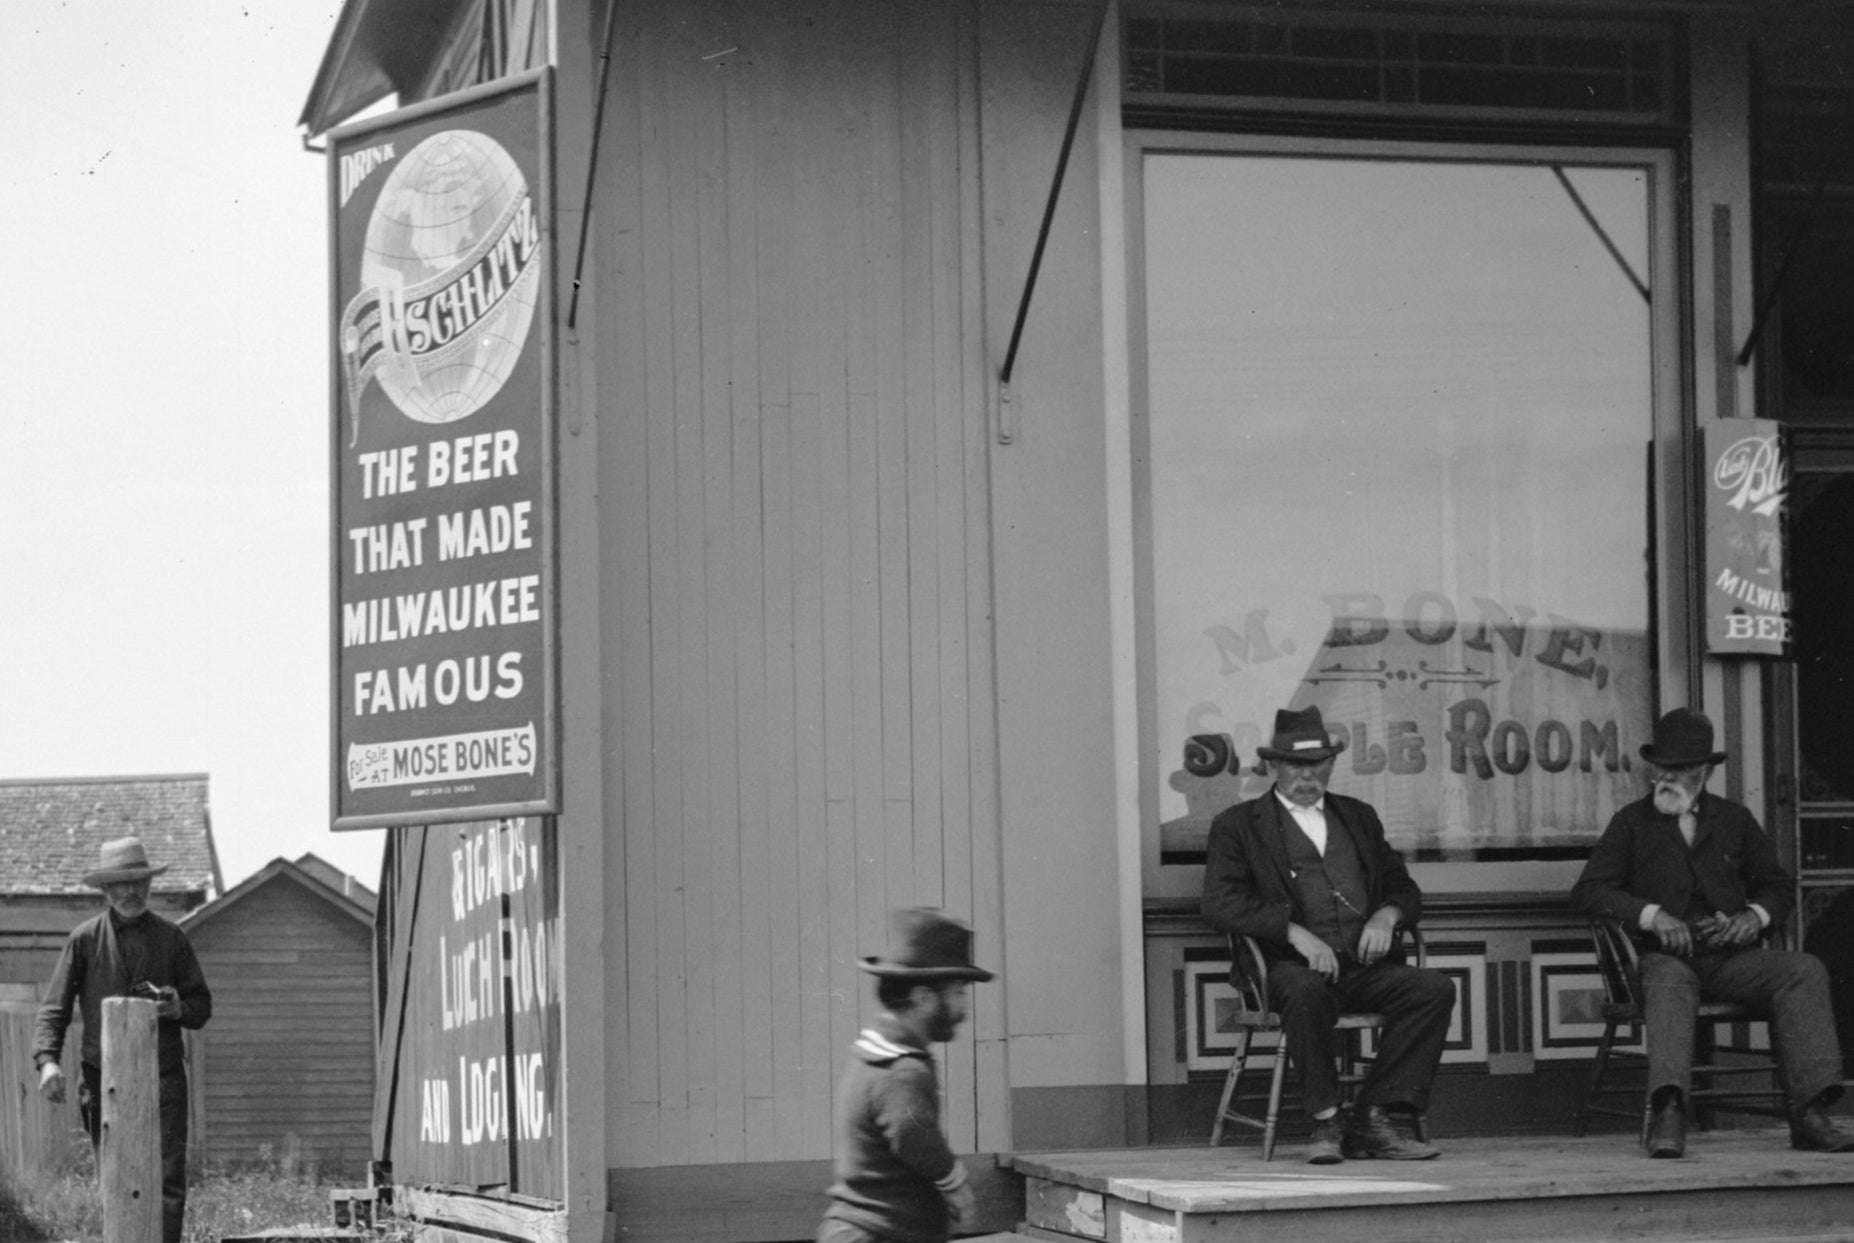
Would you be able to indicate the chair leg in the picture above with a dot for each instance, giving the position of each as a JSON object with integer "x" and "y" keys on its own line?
{"x": 1581, "y": 1123}
{"x": 1238, "y": 1061}
{"x": 1705, "y": 1056}
{"x": 1274, "y": 1100}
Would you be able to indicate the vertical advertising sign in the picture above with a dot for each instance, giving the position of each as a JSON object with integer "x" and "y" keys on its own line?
{"x": 1747, "y": 516}
{"x": 477, "y": 1084}
{"x": 444, "y": 542}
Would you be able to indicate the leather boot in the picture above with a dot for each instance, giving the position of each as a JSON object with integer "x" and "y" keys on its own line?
{"x": 1370, "y": 1134}
{"x": 1667, "y": 1130}
{"x": 1812, "y": 1130}
{"x": 1323, "y": 1149}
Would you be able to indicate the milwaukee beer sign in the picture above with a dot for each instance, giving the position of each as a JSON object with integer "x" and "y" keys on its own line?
{"x": 444, "y": 619}
{"x": 1747, "y": 483}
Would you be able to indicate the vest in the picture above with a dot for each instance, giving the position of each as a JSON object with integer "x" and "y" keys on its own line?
{"x": 1699, "y": 906}
{"x": 1318, "y": 879}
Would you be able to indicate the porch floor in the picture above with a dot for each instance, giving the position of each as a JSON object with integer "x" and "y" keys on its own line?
{"x": 1738, "y": 1184}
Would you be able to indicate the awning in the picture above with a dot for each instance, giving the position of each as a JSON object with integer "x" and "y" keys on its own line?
{"x": 379, "y": 46}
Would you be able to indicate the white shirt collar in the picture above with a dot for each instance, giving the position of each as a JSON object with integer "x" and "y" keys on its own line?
{"x": 1319, "y": 805}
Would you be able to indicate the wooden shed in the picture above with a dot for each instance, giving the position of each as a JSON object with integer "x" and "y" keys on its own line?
{"x": 286, "y": 1067}
{"x": 884, "y": 578}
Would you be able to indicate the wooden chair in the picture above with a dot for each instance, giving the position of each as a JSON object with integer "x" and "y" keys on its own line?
{"x": 1249, "y": 977}
{"x": 1620, "y": 965}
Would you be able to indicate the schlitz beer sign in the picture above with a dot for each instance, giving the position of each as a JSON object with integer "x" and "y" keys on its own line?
{"x": 1747, "y": 485}
{"x": 444, "y": 616}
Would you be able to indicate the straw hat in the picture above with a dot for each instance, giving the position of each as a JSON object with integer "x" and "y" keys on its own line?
{"x": 123, "y": 859}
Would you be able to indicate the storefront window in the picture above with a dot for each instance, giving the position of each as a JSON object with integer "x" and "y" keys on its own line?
{"x": 1397, "y": 457}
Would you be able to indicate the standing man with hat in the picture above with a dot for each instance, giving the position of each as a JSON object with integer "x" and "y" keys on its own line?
{"x": 1309, "y": 875}
{"x": 127, "y": 951}
{"x": 1696, "y": 882}
{"x": 897, "y": 1179}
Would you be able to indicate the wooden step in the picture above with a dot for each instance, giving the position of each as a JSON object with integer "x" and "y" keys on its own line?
{"x": 1742, "y": 1186}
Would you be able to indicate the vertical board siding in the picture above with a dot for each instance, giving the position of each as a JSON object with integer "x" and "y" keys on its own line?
{"x": 35, "y": 1135}
{"x": 624, "y": 445}
{"x": 752, "y": 1013}
{"x": 794, "y": 503}
{"x": 289, "y": 1056}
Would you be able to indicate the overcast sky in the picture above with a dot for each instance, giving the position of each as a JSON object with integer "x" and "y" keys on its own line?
{"x": 163, "y": 516}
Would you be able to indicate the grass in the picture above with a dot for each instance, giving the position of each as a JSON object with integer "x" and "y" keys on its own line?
{"x": 221, "y": 1203}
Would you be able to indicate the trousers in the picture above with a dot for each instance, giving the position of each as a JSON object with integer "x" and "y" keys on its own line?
{"x": 173, "y": 1098}
{"x": 1789, "y": 986}
{"x": 1416, "y": 1004}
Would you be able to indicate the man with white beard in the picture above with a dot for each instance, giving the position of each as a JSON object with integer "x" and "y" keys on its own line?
{"x": 1696, "y": 883}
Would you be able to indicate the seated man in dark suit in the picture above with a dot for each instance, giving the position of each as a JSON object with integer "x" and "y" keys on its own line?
{"x": 1696, "y": 881}
{"x": 1310, "y": 876}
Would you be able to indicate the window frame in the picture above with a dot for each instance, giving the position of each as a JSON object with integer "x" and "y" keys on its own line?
{"x": 1672, "y": 491}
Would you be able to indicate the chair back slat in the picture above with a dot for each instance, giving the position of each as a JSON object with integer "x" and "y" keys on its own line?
{"x": 1248, "y": 975}
{"x": 1617, "y": 961}
{"x": 1419, "y": 956}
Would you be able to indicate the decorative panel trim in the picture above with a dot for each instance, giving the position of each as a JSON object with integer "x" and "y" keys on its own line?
{"x": 1568, "y": 1019}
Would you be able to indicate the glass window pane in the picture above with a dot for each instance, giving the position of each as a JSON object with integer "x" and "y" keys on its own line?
{"x": 1399, "y": 423}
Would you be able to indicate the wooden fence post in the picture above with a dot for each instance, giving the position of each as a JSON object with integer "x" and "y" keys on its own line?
{"x": 130, "y": 1160}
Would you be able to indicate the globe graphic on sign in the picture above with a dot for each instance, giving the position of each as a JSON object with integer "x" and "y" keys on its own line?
{"x": 443, "y": 209}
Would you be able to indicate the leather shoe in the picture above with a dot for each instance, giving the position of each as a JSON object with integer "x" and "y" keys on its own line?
{"x": 1667, "y": 1132}
{"x": 1812, "y": 1130}
{"x": 1324, "y": 1147}
{"x": 1371, "y": 1135}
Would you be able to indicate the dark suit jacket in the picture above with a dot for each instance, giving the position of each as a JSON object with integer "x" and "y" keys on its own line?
{"x": 1642, "y": 858}
{"x": 1249, "y": 888}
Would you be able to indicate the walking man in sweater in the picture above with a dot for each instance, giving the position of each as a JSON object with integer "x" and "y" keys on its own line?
{"x": 897, "y": 1179}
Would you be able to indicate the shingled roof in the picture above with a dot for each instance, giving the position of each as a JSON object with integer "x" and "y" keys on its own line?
{"x": 51, "y": 829}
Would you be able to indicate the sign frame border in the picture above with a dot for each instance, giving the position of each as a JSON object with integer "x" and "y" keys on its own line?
{"x": 540, "y": 82}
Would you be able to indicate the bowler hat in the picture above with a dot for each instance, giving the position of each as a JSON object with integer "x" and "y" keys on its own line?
{"x": 1682, "y": 739}
{"x": 925, "y": 944}
{"x": 1301, "y": 738}
{"x": 123, "y": 859}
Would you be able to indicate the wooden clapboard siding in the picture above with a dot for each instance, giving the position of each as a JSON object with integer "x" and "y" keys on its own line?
{"x": 34, "y": 928}
{"x": 793, "y": 485}
{"x": 288, "y": 1056}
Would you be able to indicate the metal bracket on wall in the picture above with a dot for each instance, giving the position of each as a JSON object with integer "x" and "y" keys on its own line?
{"x": 1006, "y": 430}
{"x": 1834, "y": 155}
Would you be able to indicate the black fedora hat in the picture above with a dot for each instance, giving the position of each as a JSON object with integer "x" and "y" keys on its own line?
{"x": 1301, "y": 738}
{"x": 1682, "y": 739}
{"x": 926, "y": 944}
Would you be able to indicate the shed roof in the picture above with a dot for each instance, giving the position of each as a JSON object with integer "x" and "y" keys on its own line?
{"x": 348, "y": 885}
{"x": 51, "y": 830}
{"x": 321, "y": 879}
